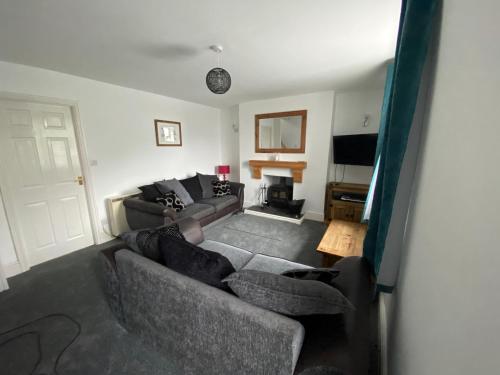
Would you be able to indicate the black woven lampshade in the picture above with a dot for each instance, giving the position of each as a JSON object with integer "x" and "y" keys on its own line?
{"x": 218, "y": 80}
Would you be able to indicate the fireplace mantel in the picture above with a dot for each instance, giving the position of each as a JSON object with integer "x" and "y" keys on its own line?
{"x": 297, "y": 167}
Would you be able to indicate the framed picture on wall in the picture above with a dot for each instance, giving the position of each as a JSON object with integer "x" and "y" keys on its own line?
{"x": 168, "y": 133}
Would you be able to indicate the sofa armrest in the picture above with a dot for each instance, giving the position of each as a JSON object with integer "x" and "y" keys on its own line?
{"x": 238, "y": 189}
{"x": 203, "y": 329}
{"x": 148, "y": 207}
{"x": 109, "y": 277}
{"x": 142, "y": 214}
{"x": 191, "y": 230}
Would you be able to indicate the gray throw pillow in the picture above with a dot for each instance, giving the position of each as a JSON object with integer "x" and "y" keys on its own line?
{"x": 286, "y": 295}
{"x": 207, "y": 189}
{"x": 174, "y": 185}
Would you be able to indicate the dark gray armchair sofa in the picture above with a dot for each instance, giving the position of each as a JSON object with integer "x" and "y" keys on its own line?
{"x": 207, "y": 331}
{"x": 142, "y": 214}
{"x": 202, "y": 329}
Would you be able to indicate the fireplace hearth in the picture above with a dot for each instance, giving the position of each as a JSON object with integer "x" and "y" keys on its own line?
{"x": 279, "y": 203}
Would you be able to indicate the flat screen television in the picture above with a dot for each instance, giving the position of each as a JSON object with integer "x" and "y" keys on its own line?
{"x": 355, "y": 149}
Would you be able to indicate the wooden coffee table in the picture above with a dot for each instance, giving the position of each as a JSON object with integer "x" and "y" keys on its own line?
{"x": 341, "y": 239}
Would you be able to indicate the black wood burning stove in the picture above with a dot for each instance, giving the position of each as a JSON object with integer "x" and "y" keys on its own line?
{"x": 278, "y": 195}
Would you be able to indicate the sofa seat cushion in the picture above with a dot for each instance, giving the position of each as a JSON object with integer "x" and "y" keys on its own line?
{"x": 271, "y": 264}
{"x": 220, "y": 202}
{"x": 237, "y": 256}
{"x": 196, "y": 211}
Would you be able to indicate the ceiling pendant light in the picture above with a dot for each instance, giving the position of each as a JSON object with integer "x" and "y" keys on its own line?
{"x": 218, "y": 79}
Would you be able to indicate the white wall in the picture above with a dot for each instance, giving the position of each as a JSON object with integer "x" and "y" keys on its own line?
{"x": 319, "y": 107}
{"x": 119, "y": 134}
{"x": 230, "y": 141}
{"x": 445, "y": 315}
{"x": 350, "y": 110}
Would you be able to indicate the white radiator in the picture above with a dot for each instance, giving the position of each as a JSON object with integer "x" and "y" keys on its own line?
{"x": 116, "y": 213}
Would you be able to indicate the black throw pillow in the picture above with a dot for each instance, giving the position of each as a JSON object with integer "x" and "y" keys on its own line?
{"x": 171, "y": 200}
{"x": 193, "y": 187}
{"x": 190, "y": 260}
{"x": 150, "y": 192}
{"x": 325, "y": 275}
{"x": 147, "y": 241}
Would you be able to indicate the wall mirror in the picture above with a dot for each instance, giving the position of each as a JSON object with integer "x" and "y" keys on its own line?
{"x": 281, "y": 132}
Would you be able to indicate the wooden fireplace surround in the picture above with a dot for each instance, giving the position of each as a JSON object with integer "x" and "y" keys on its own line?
{"x": 297, "y": 167}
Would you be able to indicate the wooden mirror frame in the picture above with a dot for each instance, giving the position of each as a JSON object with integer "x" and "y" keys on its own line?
{"x": 300, "y": 150}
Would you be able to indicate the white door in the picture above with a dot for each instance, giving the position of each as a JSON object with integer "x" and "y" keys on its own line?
{"x": 42, "y": 175}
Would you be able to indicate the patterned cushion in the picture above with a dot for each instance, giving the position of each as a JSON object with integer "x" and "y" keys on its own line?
{"x": 221, "y": 188}
{"x": 172, "y": 200}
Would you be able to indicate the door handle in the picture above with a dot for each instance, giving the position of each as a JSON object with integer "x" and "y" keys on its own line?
{"x": 80, "y": 180}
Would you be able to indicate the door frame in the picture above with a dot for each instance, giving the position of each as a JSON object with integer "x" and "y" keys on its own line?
{"x": 21, "y": 252}
{"x": 4, "y": 285}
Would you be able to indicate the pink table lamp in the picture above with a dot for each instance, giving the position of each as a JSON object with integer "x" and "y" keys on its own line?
{"x": 223, "y": 170}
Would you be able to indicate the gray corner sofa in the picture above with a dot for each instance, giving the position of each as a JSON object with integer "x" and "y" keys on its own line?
{"x": 205, "y": 330}
{"x": 142, "y": 214}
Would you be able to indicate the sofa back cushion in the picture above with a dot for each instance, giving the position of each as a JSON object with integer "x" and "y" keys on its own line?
{"x": 206, "y": 184}
{"x": 150, "y": 192}
{"x": 193, "y": 187}
{"x": 193, "y": 261}
{"x": 174, "y": 185}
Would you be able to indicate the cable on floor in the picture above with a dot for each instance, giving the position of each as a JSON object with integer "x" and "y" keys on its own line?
{"x": 38, "y": 338}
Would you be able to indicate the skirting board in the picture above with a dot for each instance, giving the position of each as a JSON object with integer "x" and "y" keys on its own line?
{"x": 382, "y": 313}
{"x": 309, "y": 215}
{"x": 275, "y": 217}
{"x": 12, "y": 269}
{"x": 316, "y": 216}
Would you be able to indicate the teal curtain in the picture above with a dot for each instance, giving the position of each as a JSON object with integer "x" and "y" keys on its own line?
{"x": 383, "y": 119}
{"x": 400, "y": 99}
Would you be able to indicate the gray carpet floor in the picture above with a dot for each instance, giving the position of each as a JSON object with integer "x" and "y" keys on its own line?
{"x": 71, "y": 285}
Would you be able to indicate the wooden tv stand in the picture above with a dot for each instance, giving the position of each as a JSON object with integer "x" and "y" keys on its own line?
{"x": 335, "y": 208}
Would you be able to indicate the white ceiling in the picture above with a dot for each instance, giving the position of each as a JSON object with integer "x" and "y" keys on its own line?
{"x": 271, "y": 47}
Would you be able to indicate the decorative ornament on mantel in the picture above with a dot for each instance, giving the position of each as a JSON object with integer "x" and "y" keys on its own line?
{"x": 218, "y": 79}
